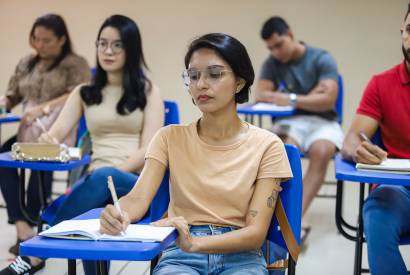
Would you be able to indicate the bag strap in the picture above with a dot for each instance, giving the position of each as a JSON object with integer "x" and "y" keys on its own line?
{"x": 287, "y": 233}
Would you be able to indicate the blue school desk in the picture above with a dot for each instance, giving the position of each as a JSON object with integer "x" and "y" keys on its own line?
{"x": 8, "y": 118}
{"x": 250, "y": 113}
{"x": 346, "y": 171}
{"x": 7, "y": 162}
{"x": 93, "y": 250}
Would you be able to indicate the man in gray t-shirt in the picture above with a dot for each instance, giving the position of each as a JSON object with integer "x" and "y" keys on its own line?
{"x": 306, "y": 78}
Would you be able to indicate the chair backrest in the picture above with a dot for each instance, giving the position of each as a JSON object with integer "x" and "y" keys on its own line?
{"x": 291, "y": 196}
{"x": 161, "y": 200}
{"x": 339, "y": 100}
{"x": 81, "y": 130}
{"x": 171, "y": 112}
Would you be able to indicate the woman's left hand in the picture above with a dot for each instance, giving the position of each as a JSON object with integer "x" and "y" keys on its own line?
{"x": 185, "y": 240}
{"x": 30, "y": 115}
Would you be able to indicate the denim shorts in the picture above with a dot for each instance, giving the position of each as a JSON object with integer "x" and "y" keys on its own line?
{"x": 176, "y": 261}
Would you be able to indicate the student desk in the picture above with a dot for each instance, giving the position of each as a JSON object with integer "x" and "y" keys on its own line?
{"x": 8, "y": 118}
{"x": 346, "y": 171}
{"x": 249, "y": 111}
{"x": 7, "y": 162}
{"x": 93, "y": 250}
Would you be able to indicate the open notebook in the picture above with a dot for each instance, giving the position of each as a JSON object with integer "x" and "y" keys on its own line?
{"x": 397, "y": 166}
{"x": 89, "y": 229}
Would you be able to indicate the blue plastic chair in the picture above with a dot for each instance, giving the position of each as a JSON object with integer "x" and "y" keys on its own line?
{"x": 171, "y": 117}
{"x": 339, "y": 100}
{"x": 291, "y": 197}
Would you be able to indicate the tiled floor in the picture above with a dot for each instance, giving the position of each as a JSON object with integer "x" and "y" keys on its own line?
{"x": 327, "y": 251}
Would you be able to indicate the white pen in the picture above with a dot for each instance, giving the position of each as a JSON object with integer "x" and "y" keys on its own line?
{"x": 43, "y": 128}
{"x": 114, "y": 196}
{"x": 41, "y": 125}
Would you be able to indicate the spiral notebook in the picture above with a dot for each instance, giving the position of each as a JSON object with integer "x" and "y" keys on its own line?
{"x": 89, "y": 230}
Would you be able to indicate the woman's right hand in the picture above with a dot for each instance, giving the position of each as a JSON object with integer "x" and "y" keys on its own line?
{"x": 47, "y": 138}
{"x": 113, "y": 222}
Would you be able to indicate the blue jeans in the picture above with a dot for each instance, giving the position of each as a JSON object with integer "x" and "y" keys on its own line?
{"x": 92, "y": 192}
{"x": 175, "y": 261}
{"x": 386, "y": 218}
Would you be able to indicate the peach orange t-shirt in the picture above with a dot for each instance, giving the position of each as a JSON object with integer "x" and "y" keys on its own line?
{"x": 214, "y": 184}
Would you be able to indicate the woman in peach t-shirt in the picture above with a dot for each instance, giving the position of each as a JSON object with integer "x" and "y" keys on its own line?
{"x": 223, "y": 171}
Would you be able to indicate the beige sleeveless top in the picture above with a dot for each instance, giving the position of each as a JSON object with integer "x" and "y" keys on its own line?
{"x": 114, "y": 137}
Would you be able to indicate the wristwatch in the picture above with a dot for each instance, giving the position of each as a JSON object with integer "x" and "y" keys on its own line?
{"x": 292, "y": 99}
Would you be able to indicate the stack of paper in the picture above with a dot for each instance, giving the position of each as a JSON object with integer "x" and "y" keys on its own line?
{"x": 397, "y": 166}
{"x": 261, "y": 106}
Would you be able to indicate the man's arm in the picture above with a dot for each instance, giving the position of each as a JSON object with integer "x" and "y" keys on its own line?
{"x": 321, "y": 98}
{"x": 362, "y": 151}
{"x": 264, "y": 91}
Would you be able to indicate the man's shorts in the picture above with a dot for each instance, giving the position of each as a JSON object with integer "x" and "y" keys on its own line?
{"x": 308, "y": 129}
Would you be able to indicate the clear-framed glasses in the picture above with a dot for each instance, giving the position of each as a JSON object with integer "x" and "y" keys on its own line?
{"x": 212, "y": 75}
{"x": 115, "y": 46}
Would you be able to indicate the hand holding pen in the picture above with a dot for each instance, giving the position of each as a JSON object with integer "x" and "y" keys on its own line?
{"x": 113, "y": 220}
{"x": 367, "y": 152}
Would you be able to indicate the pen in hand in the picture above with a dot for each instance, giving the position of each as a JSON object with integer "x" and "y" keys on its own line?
{"x": 364, "y": 137}
{"x": 114, "y": 197}
{"x": 44, "y": 130}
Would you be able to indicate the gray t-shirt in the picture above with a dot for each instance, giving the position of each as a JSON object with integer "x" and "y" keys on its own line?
{"x": 302, "y": 75}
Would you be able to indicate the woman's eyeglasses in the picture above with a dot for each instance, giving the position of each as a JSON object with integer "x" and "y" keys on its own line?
{"x": 212, "y": 75}
{"x": 115, "y": 46}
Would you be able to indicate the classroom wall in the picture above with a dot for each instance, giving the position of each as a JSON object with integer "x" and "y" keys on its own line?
{"x": 362, "y": 35}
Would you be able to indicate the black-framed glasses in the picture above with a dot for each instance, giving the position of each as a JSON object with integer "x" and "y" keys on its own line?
{"x": 115, "y": 46}
{"x": 212, "y": 75}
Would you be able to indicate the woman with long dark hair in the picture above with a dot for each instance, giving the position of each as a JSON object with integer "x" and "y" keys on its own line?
{"x": 122, "y": 109}
{"x": 41, "y": 82}
{"x": 225, "y": 174}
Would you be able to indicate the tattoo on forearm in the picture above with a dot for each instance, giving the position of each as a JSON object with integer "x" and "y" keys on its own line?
{"x": 253, "y": 213}
{"x": 271, "y": 202}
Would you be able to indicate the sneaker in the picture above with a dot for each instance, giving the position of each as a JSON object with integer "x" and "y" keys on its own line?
{"x": 15, "y": 248}
{"x": 22, "y": 266}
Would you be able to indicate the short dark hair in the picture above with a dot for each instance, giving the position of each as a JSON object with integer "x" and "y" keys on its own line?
{"x": 407, "y": 13}
{"x": 273, "y": 25}
{"x": 134, "y": 80}
{"x": 56, "y": 24}
{"x": 232, "y": 52}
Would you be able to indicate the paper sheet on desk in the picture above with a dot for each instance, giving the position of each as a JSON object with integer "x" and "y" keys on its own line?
{"x": 401, "y": 166}
{"x": 271, "y": 107}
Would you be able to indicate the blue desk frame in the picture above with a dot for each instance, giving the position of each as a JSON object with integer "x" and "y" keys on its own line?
{"x": 249, "y": 113}
{"x": 346, "y": 171}
{"x": 7, "y": 162}
{"x": 93, "y": 250}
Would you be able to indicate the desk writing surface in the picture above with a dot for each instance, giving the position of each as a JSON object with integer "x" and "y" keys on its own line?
{"x": 7, "y": 162}
{"x": 93, "y": 250}
{"x": 7, "y": 118}
{"x": 266, "y": 109}
{"x": 347, "y": 171}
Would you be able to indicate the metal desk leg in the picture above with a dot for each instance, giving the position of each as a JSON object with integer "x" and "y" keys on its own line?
{"x": 291, "y": 266}
{"x": 102, "y": 268}
{"x": 260, "y": 121}
{"x": 359, "y": 236}
{"x": 72, "y": 265}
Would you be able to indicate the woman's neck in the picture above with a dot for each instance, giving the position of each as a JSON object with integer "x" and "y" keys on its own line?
{"x": 114, "y": 78}
{"x": 222, "y": 128}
